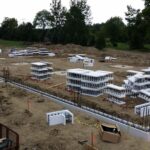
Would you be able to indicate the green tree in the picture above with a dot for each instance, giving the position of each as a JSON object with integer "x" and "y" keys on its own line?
{"x": 94, "y": 31}
{"x": 85, "y": 9}
{"x": 58, "y": 14}
{"x": 42, "y": 19}
{"x": 146, "y": 15}
{"x": 75, "y": 27}
{"x": 135, "y": 28}
{"x": 8, "y": 28}
{"x": 115, "y": 30}
{"x": 77, "y": 21}
{"x": 25, "y": 32}
{"x": 100, "y": 41}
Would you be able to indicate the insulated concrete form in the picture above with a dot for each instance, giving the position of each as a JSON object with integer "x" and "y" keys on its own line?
{"x": 88, "y": 82}
{"x": 126, "y": 126}
{"x": 116, "y": 94}
{"x": 131, "y": 73}
{"x": 88, "y": 62}
{"x": 146, "y": 71}
{"x": 30, "y": 51}
{"x": 59, "y": 117}
{"x": 145, "y": 94}
{"x": 76, "y": 58}
{"x": 41, "y": 70}
{"x": 142, "y": 110}
{"x": 43, "y": 51}
{"x": 136, "y": 83}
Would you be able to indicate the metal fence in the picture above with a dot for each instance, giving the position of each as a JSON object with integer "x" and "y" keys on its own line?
{"x": 12, "y": 138}
{"x": 97, "y": 112}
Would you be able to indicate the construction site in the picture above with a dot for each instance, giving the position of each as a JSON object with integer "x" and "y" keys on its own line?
{"x": 25, "y": 112}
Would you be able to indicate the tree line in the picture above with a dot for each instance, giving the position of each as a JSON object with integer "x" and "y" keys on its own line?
{"x": 59, "y": 25}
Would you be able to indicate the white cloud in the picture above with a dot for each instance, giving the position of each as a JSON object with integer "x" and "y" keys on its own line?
{"x": 102, "y": 10}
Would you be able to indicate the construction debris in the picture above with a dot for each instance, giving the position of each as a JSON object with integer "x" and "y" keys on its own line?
{"x": 110, "y": 133}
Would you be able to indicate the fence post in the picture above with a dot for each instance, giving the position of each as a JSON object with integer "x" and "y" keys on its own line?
{"x": 17, "y": 142}
{"x": 7, "y": 133}
{"x": 0, "y": 130}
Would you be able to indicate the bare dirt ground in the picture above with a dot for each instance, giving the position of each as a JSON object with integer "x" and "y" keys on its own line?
{"x": 35, "y": 134}
{"x": 33, "y": 129}
{"x": 20, "y": 68}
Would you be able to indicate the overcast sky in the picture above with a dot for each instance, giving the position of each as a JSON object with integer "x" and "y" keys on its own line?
{"x": 102, "y": 10}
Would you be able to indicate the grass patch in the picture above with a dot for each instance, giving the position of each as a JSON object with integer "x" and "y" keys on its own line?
{"x": 119, "y": 46}
{"x": 147, "y": 46}
{"x": 15, "y": 44}
{"x": 122, "y": 46}
{"x": 125, "y": 46}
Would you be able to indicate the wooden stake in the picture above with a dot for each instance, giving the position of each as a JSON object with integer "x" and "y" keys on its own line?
{"x": 29, "y": 104}
{"x": 92, "y": 143}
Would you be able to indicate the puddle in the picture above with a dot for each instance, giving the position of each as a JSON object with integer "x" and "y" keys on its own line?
{"x": 122, "y": 66}
{"x": 60, "y": 73}
{"x": 16, "y": 64}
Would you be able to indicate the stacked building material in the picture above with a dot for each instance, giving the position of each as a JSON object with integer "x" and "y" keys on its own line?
{"x": 41, "y": 70}
{"x": 116, "y": 94}
{"x": 88, "y": 82}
